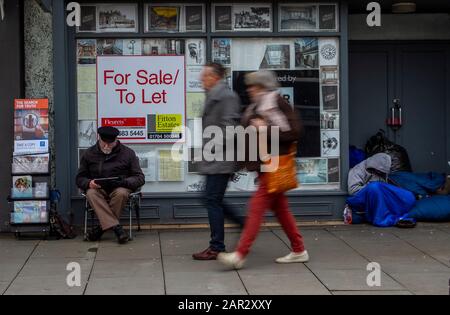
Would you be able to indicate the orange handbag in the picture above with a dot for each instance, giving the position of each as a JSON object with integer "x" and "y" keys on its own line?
{"x": 284, "y": 177}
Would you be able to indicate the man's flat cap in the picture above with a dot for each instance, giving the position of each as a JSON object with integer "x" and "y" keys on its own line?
{"x": 108, "y": 134}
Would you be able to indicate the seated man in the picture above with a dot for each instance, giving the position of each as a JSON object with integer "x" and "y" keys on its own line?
{"x": 109, "y": 159}
{"x": 381, "y": 203}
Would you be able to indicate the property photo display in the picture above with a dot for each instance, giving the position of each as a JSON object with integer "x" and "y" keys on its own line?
{"x": 109, "y": 18}
{"x": 174, "y": 18}
{"x": 242, "y": 17}
{"x": 308, "y": 17}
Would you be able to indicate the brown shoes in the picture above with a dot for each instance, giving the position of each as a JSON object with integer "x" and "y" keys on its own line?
{"x": 207, "y": 254}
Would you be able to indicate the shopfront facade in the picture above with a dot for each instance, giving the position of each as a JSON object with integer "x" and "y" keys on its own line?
{"x": 244, "y": 37}
{"x": 305, "y": 43}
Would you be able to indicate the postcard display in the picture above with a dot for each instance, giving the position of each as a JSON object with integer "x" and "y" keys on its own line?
{"x": 307, "y": 68}
{"x": 30, "y": 165}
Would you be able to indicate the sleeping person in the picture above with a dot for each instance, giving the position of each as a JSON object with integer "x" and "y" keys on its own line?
{"x": 380, "y": 203}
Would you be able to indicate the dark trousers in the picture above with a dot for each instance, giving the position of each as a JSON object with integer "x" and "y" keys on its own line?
{"x": 216, "y": 186}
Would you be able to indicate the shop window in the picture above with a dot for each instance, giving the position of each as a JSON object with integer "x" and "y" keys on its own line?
{"x": 307, "y": 69}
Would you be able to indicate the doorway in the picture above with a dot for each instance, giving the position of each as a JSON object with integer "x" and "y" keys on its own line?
{"x": 418, "y": 76}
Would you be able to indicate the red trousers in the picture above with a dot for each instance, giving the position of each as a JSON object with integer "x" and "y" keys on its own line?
{"x": 259, "y": 204}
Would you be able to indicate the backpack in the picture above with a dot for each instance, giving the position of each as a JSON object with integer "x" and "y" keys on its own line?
{"x": 59, "y": 228}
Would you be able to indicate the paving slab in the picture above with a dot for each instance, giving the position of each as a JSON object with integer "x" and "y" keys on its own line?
{"x": 183, "y": 243}
{"x": 393, "y": 254}
{"x": 371, "y": 293}
{"x": 303, "y": 283}
{"x": 189, "y": 242}
{"x": 127, "y": 269}
{"x": 9, "y": 239}
{"x": 11, "y": 251}
{"x": 3, "y": 287}
{"x": 10, "y": 268}
{"x": 328, "y": 252}
{"x": 268, "y": 245}
{"x": 150, "y": 285}
{"x": 141, "y": 248}
{"x": 51, "y": 285}
{"x": 188, "y": 277}
{"x": 432, "y": 241}
{"x": 425, "y": 283}
{"x": 53, "y": 267}
{"x": 343, "y": 280}
{"x": 65, "y": 249}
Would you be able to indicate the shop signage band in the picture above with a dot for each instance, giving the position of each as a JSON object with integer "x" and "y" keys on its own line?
{"x": 142, "y": 96}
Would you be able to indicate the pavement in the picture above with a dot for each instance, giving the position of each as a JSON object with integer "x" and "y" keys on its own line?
{"x": 411, "y": 261}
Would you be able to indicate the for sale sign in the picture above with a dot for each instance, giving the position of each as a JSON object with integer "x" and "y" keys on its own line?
{"x": 142, "y": 96}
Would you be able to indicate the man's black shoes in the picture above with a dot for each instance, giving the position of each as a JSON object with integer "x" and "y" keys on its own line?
{"x": 122, "y": 236}
{"x": 95, "y": 235}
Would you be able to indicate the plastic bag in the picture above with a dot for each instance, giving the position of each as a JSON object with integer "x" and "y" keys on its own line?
{"x": 380, "y": 144}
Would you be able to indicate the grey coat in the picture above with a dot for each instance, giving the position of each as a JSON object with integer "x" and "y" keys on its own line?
{"x": 222, "y": 109}
{"x": 360, "y": 176}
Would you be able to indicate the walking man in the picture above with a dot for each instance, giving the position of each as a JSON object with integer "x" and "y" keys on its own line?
{"x": 222, "y": 107}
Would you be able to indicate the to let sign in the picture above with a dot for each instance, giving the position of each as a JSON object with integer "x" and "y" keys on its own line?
{"x": 143, "y": 96}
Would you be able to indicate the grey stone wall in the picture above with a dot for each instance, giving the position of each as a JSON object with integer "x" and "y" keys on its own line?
{"x": 38, "y": 46}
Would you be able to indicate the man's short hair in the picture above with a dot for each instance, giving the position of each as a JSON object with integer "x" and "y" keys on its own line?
{"x": 217, "y": 69}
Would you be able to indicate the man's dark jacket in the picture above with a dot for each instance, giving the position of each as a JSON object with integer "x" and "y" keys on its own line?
{"x": 122, "y": 162}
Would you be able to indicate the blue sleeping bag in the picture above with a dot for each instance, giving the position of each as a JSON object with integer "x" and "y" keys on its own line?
{"x": 433, "y": 209}
{"x": 356, "y": 156}
{"x": 383, "y": 204}
{"x": 420, "y": 184}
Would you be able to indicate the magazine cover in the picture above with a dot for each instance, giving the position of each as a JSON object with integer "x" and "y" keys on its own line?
{"x": 30, "y": 126}
{"x": 312, "y": 171}
{"x": 222, "y": 51}
{"x": 26, "y": 212}
{"x": 22, "y": 187}
{"x": 41, "y": 190}
{"x": 31, "y": 164}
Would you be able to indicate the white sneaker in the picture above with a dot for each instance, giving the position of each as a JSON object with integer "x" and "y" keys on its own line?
{"x": 231, "y": 260}
{"x": 302, "y": 257}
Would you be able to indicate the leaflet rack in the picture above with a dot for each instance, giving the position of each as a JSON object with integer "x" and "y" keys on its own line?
{"x": 30, "y": 194}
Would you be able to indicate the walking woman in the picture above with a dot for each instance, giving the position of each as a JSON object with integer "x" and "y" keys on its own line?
{"x": 269, "y": 109}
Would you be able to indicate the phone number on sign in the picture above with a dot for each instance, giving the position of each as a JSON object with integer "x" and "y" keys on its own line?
{"x": 131, "y": 133}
